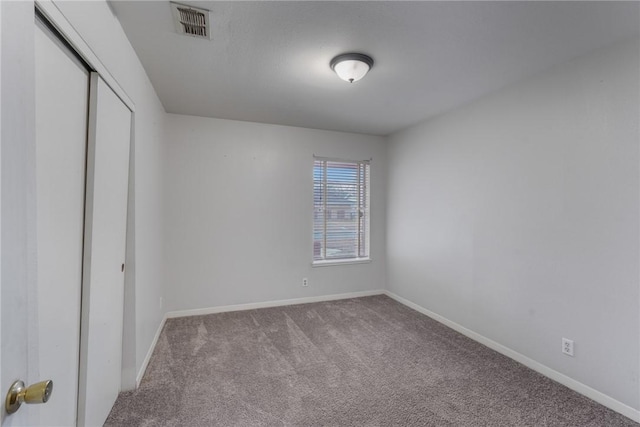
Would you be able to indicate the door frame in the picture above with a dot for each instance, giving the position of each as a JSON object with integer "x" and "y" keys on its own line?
{"x": 55, "y": 17}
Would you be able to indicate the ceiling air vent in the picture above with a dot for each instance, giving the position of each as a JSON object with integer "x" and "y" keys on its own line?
{"x": 191, "y": 21}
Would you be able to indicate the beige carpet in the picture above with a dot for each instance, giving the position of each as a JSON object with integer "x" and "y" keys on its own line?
{"x": 358, "y": 362}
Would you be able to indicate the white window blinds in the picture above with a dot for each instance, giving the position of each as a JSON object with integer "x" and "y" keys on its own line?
{"x": 341, "y": 209}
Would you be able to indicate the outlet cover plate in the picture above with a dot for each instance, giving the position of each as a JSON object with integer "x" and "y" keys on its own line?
{"x": 567, "y": 346}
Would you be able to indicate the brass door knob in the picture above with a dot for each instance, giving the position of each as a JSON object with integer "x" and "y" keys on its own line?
{"x": 35, "y": 393}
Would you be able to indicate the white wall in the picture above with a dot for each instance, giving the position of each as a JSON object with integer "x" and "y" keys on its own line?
{"x": 239, "y": 212}
{"x": 103, "y": 33}
{"x": 518, "y": 218}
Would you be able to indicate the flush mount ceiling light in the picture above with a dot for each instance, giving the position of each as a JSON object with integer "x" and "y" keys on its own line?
{"x": 351, "y": 67}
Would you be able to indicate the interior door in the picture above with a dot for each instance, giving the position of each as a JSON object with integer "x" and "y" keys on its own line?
{"x": 17, "y": 199}
{"x": 62, "y": 102}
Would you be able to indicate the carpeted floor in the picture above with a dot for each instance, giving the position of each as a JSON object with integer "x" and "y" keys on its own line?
{"x": 358, "y": 362}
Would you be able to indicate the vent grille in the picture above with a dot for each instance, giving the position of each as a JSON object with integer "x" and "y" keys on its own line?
{"x": 191, "y": 21}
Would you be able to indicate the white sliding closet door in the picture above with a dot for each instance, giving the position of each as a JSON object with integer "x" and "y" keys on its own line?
{"x": 105, "y": 235}
{"x": 62, "y": 104}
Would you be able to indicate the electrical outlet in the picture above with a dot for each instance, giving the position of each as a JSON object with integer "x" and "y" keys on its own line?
{"x": 160, "y": 305}
{"x": 305, "y": 282}
{"x": 567, "y": 346}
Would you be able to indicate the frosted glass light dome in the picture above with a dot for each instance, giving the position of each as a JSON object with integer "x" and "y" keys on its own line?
{"x": 351, "y": 67}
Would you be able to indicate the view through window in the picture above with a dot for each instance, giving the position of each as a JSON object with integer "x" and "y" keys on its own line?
{"x": 341, "y": 210}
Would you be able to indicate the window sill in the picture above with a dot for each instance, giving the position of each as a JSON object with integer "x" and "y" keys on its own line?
{"x": 326, "y": 263}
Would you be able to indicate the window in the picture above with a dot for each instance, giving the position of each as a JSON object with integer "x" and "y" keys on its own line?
{"x": 341, "y": 210}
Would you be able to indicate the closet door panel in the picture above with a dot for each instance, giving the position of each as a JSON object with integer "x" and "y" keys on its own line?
{"x": 105, "y": 239}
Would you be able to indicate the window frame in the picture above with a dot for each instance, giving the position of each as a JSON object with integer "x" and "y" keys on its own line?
{"x": 363, "y": 187}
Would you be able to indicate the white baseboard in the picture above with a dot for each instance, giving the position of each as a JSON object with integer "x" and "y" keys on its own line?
{"x": 152, "y": 347}
{"x": 574, "y": 385}
{"x": 266, "y": 304}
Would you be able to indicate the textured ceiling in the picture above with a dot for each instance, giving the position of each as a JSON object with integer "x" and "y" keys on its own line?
{"x": 269, "y": 61}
